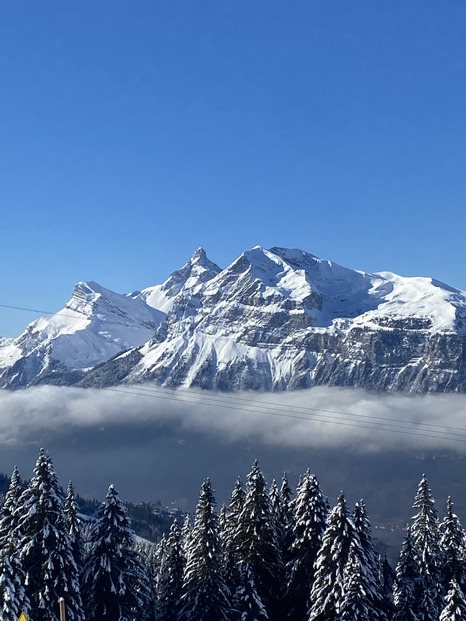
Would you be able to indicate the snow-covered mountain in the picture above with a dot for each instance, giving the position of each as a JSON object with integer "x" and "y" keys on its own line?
{"x": 95, "y": 325}
{"x": 275, "y": 319}
{"x": 197, "y": 271}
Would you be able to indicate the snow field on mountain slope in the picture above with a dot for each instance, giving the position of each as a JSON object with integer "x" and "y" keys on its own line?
{"x": 222, "y": 349}
{"x": 95, "y": 325}
{"x": 344, "y": 292}
{"x": 9, "y": 354}
{"x": 419, "y": 297}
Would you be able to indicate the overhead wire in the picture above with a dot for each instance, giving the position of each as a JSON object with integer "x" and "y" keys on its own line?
{"x": 267, "y": 404}
{"x": 41, "y": 312}
{"x": 345, "y": 419}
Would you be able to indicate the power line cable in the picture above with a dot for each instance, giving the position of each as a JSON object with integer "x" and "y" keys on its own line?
{"x": 30, "y": 310}
{"x": 41, "y": 312}
{"x": 380, "y": 426}
{"x": 266, "y": 405}
{"x": 317, "y": 418}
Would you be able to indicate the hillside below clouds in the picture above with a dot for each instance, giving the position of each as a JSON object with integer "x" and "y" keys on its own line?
{"x": 275, "y": 319}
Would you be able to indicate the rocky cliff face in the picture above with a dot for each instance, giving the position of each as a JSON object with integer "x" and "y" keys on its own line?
{"x": 274, "y": 319}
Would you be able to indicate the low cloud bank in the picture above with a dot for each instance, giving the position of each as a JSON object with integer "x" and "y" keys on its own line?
{"x": 320, "y": 417}
{"x": 158, "y": 444}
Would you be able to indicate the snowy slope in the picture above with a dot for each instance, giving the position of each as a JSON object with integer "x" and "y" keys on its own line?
{"x": 197, "y": 271}
{"x": 275, "y": 319}
{"x": 95, "y": 325}
{"x": 439, "y": 306}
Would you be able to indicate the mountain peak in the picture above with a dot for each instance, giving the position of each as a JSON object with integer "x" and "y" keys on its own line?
{"x": 199, "y": 254}
{"x": 200, "y": 259}
{"x": 277, "y": 319}
{"x": 87, "y": 293}
{"x": 197, "y": 271}
{"x": 88, "y": 288}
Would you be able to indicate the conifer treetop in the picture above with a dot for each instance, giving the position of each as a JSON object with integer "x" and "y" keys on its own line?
{"x": 46, "y": 551}
{"x": 455, "y": 604}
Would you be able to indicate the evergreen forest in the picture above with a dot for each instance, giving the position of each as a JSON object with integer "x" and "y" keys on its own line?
{"x": 269, "y": 554}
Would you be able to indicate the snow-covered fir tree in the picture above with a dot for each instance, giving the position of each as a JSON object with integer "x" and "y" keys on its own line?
{"x": 228, "y": 532}
{"x": 227, "y": 526}
{"x": 310, "y": 510}
{"x": 425, "y": 528}
{"x": 74, "y": 527}
{"x": 233, "y": 574}
{"x": 279, "y": 515}
{"x": 116, "y": 585}
{"x": 8, "y": 513}
{"x": 186, "y": 533}
{"x": 222, "y": 522}
{"x": 408, "y": 588}
{"x": 328, "y": 590}
{"x": 155, "y": 567}
{"x": 287, "y": 517}
{"x": 45, "y": 547}
{"x": 280, "y": 500}
{"x": 452, "y": 549}
{"x": 205, "y": 593}
{"x": 232, "y": 516}
{"x": 247, "y": 603}
{"x": 386, "y": 579}
{"x": 455, "y": 604}
{"x": 356, "y": 605}
{"x": 275, "y": 499}
{"x": 426, "y": 536}
{"x": 258, "y": 546}
{"x": 160, "y": 554}
{"x": 368, "y": 561}
{"x": 170, "y": 577}
{"x": 13, "y": 598}
{"x": 286, "y": 493}
{"x": 146, "y": 553}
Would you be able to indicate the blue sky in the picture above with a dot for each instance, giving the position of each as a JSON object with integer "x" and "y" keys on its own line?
{"x": 133, "y": 132}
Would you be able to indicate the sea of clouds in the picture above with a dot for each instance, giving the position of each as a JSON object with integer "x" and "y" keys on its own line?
{"x": 319, "y": 417}
{"x": 156, "y": 444}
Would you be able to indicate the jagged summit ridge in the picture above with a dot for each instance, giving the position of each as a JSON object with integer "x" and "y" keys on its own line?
{"x": 198, "y": 270}
{"x": 274, "y": 319}
{"x": 284, "y": 319}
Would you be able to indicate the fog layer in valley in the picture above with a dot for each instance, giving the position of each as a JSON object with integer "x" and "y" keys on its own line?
{"x": 158, "y": 444}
